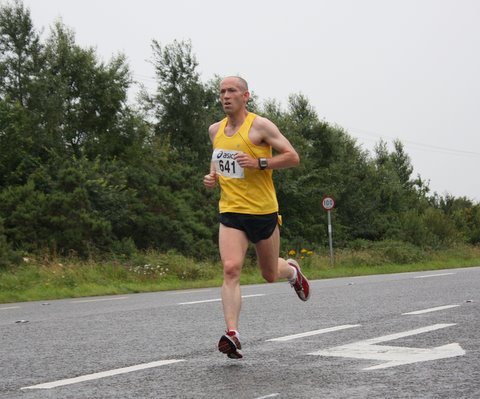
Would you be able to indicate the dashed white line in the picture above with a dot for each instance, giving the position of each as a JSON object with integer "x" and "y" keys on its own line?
{"x": 10, "y": 307}
{"x": 272, "y": 395}
{"x": 431, "y": 309}
{"x": 187, "y": 292}
{"x": 434, "y": 275}
{"x": 103, "y": 374}
{"x": 100, "y": 299}
{"x": 217, "y": 299}
{"x": 204, "y": 301}
{"x": 314, "y": 332}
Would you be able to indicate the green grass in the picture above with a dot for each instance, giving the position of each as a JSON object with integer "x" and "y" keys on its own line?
{"x": 44, "y": 279}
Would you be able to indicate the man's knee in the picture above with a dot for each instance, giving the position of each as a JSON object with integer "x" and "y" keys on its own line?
{"x": 231, "y": 269}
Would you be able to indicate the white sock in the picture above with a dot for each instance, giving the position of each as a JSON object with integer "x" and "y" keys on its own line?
{"x": 294, "y": 277}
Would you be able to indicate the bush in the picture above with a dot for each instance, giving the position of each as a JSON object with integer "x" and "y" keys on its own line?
{"x": 430, "y": 229}
{"x": 399, "y": 252}
{"x": 359, "y": 244}
{"x": 377, "y": 253}
{"x": 362, "y": 258}
{"x": 8, "y": 257}
{"x": 124, "y": 249}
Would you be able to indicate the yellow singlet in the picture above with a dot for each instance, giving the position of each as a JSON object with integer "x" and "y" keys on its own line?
{"x": 249, "y": 191}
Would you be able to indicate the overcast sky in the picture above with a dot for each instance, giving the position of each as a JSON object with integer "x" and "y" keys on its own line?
{"x": 406, "y": 69}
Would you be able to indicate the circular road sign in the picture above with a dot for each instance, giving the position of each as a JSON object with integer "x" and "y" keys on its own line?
{"x": 328, "y": 203}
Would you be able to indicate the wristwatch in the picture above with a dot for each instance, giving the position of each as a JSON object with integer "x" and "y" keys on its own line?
{"x": 262, "y": 163}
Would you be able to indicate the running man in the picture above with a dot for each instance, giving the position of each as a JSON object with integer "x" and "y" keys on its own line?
{"x": 242, "y": 163}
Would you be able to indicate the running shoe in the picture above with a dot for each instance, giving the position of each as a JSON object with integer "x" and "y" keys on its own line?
{"x": 230, "y": 345}
{"x": 301, "y": 285}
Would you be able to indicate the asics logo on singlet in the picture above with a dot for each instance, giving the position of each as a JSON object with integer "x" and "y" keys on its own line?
{"x": 225, "y": 155}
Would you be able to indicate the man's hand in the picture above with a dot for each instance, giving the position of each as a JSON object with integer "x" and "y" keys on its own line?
{"x": 210, "y": 180}
{"x": 246, "y": 161}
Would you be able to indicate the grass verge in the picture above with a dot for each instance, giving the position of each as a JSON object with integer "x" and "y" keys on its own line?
{"x": 44, "y": 279}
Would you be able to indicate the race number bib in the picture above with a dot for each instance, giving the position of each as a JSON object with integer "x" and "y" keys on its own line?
{"x": 225, "y": 164}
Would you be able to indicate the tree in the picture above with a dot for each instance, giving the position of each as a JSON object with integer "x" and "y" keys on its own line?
{"x": 181, "y": 106}
{"x": 20, "y": 63}
{"x": 19, "y": 53}
{"x": 84, "y": 104}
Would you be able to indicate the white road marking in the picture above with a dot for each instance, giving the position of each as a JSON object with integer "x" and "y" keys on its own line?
{"x": 100, "y": 299}
{"x": 10, "y": 307}
{"x": 268, "y": 396}
{"x": 394, "y": 355}
{"x": 431, "y": 309}
{"x": 434, "y": 275}
{"x": 103, "y": 374}
{"x": 314, "y": 332}
{"x": 217, "y": 299}
{"x": 188, "y": 292}
{"x": 204, "y": 301}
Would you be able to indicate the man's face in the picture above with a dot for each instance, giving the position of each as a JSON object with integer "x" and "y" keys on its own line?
{"x": 233, "y": 95}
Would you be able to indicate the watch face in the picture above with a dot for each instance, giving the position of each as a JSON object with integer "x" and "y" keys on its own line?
{"x": 263, "y": 163}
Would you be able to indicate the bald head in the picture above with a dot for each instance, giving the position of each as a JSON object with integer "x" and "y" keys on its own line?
{"x": 242, "y": 83}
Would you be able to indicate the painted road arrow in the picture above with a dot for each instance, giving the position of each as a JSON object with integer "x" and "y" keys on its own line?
{"x": 394, "y": 355}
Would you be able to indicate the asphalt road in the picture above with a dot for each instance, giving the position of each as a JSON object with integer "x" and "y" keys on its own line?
{"x": 409, "y": 335}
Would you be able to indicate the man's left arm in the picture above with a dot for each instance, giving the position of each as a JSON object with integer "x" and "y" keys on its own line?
{"x": 265, "y": 132}
{"x": 286, "y": 156}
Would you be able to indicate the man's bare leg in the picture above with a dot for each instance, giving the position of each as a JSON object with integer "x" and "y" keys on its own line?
{"x": 233, "y": 245}
{"x": 272, "y": 266}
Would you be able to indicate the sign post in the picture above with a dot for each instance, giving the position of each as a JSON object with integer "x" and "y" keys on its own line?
{"x": 328, "y": 204}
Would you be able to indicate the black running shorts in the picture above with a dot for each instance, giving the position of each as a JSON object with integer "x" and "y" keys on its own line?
{"x": 256, "y": 227}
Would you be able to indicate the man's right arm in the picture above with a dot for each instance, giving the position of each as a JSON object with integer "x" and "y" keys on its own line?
{"x": 212, "y": 131}
{"x": 210, "y": 180}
